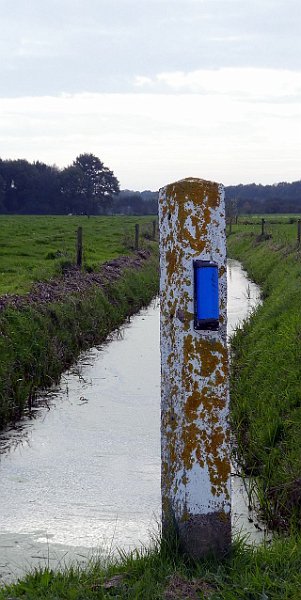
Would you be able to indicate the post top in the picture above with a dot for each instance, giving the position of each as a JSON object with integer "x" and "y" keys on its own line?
{"x": 200, "y": 191}
{"x": 192, "y": 180}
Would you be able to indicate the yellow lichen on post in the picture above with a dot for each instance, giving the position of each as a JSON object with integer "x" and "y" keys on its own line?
{"x": 194, "y": 367}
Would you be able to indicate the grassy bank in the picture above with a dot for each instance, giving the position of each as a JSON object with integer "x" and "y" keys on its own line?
{"x": 49, "y": 311}
{"x": 40, "y": 339}
{"x": 266, "y": 573}
{"x": 266, "y": 373}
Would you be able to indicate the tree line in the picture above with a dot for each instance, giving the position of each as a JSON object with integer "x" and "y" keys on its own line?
{"x": 264, "y": 199}
{"x": 88, "y": 187}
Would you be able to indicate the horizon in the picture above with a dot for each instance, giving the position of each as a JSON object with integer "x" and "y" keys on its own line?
{"x": 126, "y": 189}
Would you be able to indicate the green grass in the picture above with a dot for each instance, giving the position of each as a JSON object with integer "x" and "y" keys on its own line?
{"x": 40, "y": 341}
{"x": 273, "y": 218}
{"x": 282, "y": 228}
{"x": 266, "y": 373}
{"x": 266, "y": 573}
{"x": 34, "y": 248}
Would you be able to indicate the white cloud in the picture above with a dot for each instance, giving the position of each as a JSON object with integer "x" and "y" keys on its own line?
{"x": 152, "y": 139}
{"x": 244, "y": 83}
{"x": 201, "y": 87}
{"x": 142, "y": 81}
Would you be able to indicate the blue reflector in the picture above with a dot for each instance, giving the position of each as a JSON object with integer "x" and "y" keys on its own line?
{"x": 206, "y": 295}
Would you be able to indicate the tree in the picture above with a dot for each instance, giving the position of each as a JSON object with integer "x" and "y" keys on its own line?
{"x": 19, "y": 180}
{"x": 2, "y": 195}
{"x": 46, "y": 197}
{"x": 231, "y": 209}
{"x": 71, "y": 199}
{"x": 28, "y": 188}
{"x": 96, "y": 184}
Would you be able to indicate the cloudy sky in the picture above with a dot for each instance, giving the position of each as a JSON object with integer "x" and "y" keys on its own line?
{"x": 158, "y": 89}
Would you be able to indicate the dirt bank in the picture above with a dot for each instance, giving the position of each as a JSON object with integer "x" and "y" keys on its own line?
{"x": 75, "y": 281}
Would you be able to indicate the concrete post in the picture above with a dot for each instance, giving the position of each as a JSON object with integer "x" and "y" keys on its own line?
{"x": 194, "y": 369}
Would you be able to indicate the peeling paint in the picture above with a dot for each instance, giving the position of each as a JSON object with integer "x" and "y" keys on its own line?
{"x": 194, "y": 364}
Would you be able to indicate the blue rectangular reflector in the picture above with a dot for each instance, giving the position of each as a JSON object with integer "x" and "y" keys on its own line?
{"x": 206, "y": 295}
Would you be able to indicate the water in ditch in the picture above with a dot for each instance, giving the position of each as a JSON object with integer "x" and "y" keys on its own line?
{"x": 80, "y": 475}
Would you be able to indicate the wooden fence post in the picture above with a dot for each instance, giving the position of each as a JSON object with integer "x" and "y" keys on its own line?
{"x": 262, "y": 226}
{"x": 79, "y": 253}
{"x": 194, "y": 367}
{"x": 137, "y": 236}
{"x": 299, "y": 232}
{"x": 154, "y": 230}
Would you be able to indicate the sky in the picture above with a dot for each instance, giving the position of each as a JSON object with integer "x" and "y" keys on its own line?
{"x": 157, "y": 89}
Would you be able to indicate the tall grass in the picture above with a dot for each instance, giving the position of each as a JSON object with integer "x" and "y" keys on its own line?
{"x": 38, "y": 341}
{"x": 266, "y": 376}
{"x": 266, "y": 573}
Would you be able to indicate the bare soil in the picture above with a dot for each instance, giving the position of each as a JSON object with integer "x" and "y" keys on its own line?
{"x": 182, "y": 589}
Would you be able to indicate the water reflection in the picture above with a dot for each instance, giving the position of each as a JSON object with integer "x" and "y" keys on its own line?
{"x": 82, "y": 470}
{"x": 243, "y": 295}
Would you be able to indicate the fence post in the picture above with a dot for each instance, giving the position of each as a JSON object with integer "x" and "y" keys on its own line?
{"x": 79, "y": 253}
{"x": 194, "y": 367}
{"x": 299, "y": 232}
{"x": 262, "y": 226}
{"x": 137, "y": 236}
{"x": 154, "y": 230}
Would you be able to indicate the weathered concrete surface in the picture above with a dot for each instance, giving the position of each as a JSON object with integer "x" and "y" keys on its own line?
{"x": 202, "y": 535}
{"x": 194, "y": 372}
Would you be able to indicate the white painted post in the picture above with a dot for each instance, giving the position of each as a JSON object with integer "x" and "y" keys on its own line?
{"x": 194, "y": 369}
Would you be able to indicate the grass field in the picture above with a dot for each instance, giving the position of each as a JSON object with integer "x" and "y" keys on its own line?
{"x": 271, "y": 217}
{"x": 282, "y": 228}
{"x": 34, "y": 248}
